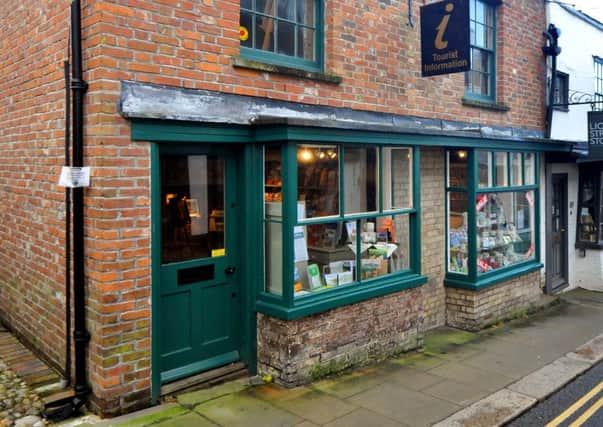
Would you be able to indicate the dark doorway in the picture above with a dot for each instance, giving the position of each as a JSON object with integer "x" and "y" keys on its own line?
{"x": 557, "y": 264}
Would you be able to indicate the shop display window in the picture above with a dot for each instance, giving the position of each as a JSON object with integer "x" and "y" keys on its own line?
{"x": 492, "y": 226}
{"x": 590, "y": 207}
{"x": 339, "y": 219}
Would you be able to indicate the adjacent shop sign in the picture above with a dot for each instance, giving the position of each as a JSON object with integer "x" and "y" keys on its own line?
{"x": 445, "y": 37}
{"x": 74, "y": 177}
{"x": 595, "y": 134}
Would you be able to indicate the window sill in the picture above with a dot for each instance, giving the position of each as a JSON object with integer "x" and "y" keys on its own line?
{"x": 588, "y": 245}
{"x": 281, "y": 69}
{"x": 350, "y": 295}
{"x": 561, "y": 109}
{"x": 494, "y": 278}
{"x": 488, "y": 105}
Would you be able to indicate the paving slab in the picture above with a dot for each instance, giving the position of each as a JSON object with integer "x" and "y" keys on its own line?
{"x": 142, "y": 418}
{"x": 482, "y": 377}
{"x": 549, "y": 379}
{"x": 238, "y": 409}
{"x": 491, "y": 411}
{"x": 405, "y": 406}
{"x": 513, "y": 366}
{"x": 315, "y": 406}
{"x": 352, "y": 383}
{"x": 363, "y": 418}
{"x": 413, "y": 379}
{"x": 456, "y": 392}
{"x": 189, "y": 419}
{"x": 419, "y": 360}
{"x": 194, "y": 398}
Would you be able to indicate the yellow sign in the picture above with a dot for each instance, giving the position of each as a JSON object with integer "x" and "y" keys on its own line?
{"x": 218, "y": 252}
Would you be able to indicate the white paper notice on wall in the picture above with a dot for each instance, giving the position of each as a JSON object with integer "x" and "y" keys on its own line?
{"x": 73, "y": 177}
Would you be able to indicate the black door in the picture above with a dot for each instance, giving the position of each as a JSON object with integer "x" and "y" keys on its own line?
{"x": 558, "y": 250}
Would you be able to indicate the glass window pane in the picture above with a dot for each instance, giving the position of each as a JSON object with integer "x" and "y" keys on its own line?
{"x": 480, "y": 35}
{"x": 501, "y": 169}
{"x": 286, "y": 38}
{"x": 529, "y": 168}
{"x": 193, "y": 207}
{"x": 384, "y": 246}
{"x": 457, "y": 168}
{"x": 506, "y": 229}
{"x": 246, "y": 30}
{"x": 484, "y": 169}
{"x": 246, "y": 4}
{"x": 305, "y": 43}
{"x": 273, "y": 184}
{"x": 397, "y": 178}
{"x": 318, "y": 179}
{"x": 516, "y": 169}
{"x": 286, "y": 9}
{"x": 480, "y": 13}
{"x": 305, "y": 12}
{"x": 264, "y": 35}
{"x": 329, "y": 260}
{"x": 273, "y": 253}
{"x": 457, "y": 233}
{"x": 361, "y": 175}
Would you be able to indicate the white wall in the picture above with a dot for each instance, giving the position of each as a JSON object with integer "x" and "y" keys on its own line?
{"x": 579, "y": 42}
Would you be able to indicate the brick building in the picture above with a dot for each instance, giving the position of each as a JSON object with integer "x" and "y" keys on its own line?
{"x": 272, "y": 183}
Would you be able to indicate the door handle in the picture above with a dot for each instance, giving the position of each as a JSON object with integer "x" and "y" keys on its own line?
{"x": 230, "y": 269}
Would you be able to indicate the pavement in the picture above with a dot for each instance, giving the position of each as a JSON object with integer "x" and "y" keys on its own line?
{"x": 461, "y": 378}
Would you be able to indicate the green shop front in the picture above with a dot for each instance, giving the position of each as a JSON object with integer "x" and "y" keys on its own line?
{"x": 294, "y": 242}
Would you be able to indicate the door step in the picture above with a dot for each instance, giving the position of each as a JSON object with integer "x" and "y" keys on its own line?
{"x": 206, "y": 379}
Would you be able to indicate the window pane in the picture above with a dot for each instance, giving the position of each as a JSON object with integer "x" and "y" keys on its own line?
{"x": 246, "y": 4}
{"x": 305, "y": 43}
{"x": 286, "y": 38}
{"x": 457, "y": 168}
{"x": 264, "y": 36}
{"x": 515, "y": 168}
{"x": 384, "y": 246}
{"x": 457, "y": 233}
{"x": 272, "y": 175}
{"x": 193, "y": 207}
{"x": 484, "y": 168}
{"x": 506, "y": 229}
{"x": 329, "y": 260}
{"x": 501, "y": 169}
{"x": 480, "y": 35}
{"x": 480, "y": 13}
{"x": 305, "y": 12}
{"x": 397, "y": 178}
{"x": 273, "y": 254}
{"x": 286, "y": 9}
{"x": 318, "y": 179}
{"x": 361, "y": 175}
{"x": 246, "y": 32}
{"x": 529, "y": 169}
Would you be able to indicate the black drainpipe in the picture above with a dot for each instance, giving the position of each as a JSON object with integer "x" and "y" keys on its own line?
{"x": 552, "y": 49}
{"x": 67, "y": 373}
{"x": 69, "y": 406}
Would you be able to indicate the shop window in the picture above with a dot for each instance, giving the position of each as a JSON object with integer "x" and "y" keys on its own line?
{"x": 339, "y": 223}
{"x": 590, "y": 207}
{"x": 492, "y": 227}
{"x": 283, "y": 32}
{"x": 480, "y": 80}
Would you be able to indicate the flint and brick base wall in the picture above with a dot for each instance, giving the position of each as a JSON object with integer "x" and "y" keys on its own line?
{"x": 473, "y": 310}
{"x": 298, "y": 351}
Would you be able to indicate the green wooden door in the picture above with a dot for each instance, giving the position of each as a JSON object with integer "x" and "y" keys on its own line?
{"x": 199, "y": 308}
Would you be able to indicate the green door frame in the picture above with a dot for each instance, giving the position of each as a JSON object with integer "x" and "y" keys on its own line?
{"x": 248, "y": 237}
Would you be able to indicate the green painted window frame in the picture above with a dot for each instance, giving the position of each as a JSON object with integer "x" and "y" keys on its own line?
{"x": 474, "y": 280}
{"x": 259, "y": 55}
{"x": 469, "y": 94}
{"x": 286, "y": 306}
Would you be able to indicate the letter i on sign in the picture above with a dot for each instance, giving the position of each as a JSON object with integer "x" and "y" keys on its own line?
{"x": 440, "y": 43}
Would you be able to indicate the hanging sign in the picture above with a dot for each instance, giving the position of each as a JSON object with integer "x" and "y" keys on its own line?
{"x": 445, "y": 38}
{"x": 595, "y": 134}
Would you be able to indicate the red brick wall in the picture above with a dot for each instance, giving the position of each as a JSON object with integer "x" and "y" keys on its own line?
{"x": 187, "y": 43}
{"x": 33, "y": 46}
